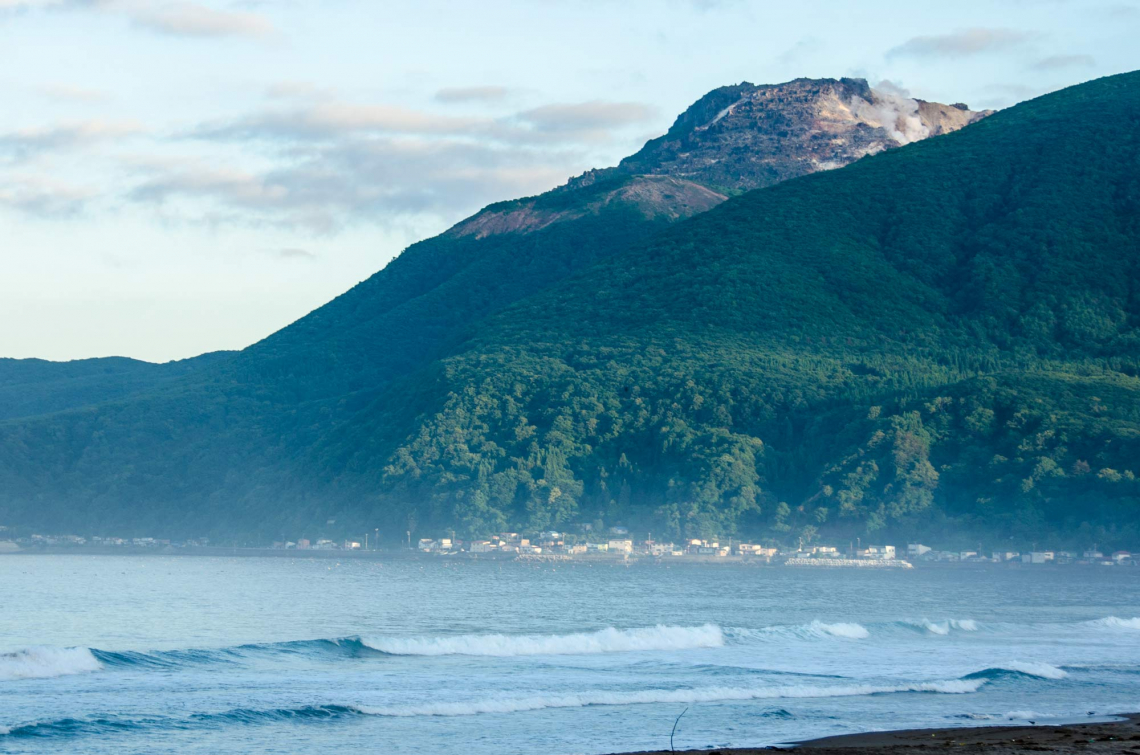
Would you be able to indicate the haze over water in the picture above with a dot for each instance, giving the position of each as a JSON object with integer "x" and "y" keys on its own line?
{"x": 148, "y": 654}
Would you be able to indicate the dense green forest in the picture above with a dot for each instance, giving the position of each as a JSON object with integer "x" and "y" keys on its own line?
{"x": 30, "y": 387}
{"x": 943, "y": 332}
{"x": 940, "y": 340}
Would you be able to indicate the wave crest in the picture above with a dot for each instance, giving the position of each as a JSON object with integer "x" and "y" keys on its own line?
{"x": 46, "y": 662}
{"x": 1020, "y": 668}
{"x": 942, "y": 628}
{"x": 607, "y": 640}
{"x": 641, "y": 697}
{"x": 74, "y": 727}
{"x": 1113, "y": 622}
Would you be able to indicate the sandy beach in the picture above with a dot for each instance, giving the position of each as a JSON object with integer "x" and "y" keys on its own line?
{"x": 1121, "y": 736}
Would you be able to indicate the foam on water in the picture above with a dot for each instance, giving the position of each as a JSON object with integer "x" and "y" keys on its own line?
{"x": 1112, "y": 622}
{"x": 650, "y": 696}
{"x": 842, "y": 629}
{"x": 1041, "y": 670}
{"x": 46, "y": 662}
{"x": 607, "y": 640}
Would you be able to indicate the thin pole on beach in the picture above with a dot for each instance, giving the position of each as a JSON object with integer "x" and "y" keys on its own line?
{"x": 686, "y": 710}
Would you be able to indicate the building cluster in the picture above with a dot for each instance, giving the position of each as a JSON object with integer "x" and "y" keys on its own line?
{"x": 617, "y": 543}
{"x": 105, "y": 542}
{"x": 322, "y": 544}
{"x": 620, "y": 544}
{"x": 918, "y": 552}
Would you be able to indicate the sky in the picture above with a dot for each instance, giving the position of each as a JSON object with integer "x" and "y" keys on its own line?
{"x": 184, "y": 177}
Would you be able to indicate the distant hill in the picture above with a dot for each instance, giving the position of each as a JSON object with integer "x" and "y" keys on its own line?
{"x": 938, "y": 335}
{"x": 35, "y": 386}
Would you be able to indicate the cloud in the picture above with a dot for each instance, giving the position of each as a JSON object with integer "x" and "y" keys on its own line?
{"x": 962, "y": 43}
{"x": 581, "y": 123}
{"x": 587, "y": 116}
{"x": 333, "y": 163}
{"x": 300, "y": 90}
{"x": 293, "y": 253}
{"x": 1058, "y": 62}
{"x": 24, "y": 143}
{"x": 331, "y": 119}
{"x": 1004, "y": 95}
{"x": 192, "y": 20}
{"x": 322, "y": 187}
{"x": 182, "y": 19}
{"x": 70, "y": 93}
{"x": 43, "y": 198}
{"x": 804, "y": 48}
{"x": 472, "y": 94}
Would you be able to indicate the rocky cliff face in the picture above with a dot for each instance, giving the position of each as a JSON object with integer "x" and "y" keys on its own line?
{"x": 745, "y": 137}
{"x": 734, "y": 139}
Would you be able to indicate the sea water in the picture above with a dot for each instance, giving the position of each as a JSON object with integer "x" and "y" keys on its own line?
{"x": 144, "y": 654}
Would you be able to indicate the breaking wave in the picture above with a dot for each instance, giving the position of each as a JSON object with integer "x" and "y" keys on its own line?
{"x": 641, "y": 697}
{"x": 46, "y": 662}
{"x": 1020, "y": 668}
{"x": 815, "y": 630}
{"x": 942, "y": 628}
{"x": 1112, "y": 622}
{"x": 850, "y": 631}
{"x": 607, "y": 640}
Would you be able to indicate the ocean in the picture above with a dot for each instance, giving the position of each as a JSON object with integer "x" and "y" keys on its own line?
{"x": 144, "y": 654}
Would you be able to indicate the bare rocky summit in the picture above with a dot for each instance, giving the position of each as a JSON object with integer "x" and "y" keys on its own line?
{"x": 744, "y": 137}
{"x": 734, "y": 139}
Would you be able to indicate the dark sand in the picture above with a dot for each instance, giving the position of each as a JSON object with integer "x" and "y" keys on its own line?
{"x": 1104, "y": 738}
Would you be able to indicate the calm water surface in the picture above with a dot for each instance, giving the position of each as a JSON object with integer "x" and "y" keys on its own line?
{"x": 107, "y": 654}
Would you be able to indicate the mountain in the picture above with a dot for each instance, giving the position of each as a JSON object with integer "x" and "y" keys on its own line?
{"x": 429, "y": 297}
{"x": 29, "y": 387}
{"x": 744, "y": 137}
{"x": 936, "y": 336}
{"x": 939, "y": 333}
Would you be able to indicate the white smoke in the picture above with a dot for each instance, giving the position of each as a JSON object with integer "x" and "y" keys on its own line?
{"x": 892, "y": 109}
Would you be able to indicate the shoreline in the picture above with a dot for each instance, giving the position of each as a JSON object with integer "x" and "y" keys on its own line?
{"x": 559, "y": 560}
{"x": 1120, "y": 734}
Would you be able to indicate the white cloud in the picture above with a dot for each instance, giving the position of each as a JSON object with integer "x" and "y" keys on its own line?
{"x": 1060, "y": 62}
{"x": 587, "y": 116}
{"x": 23, "y": 143}
{"x": 322, "y": 188}
{"x": 963, "y": 43}
{"x": 293, "y": 253}
{"x": 323, "y": 120}
{"x": 472, "y": 94}
{"x": 193, "y": 20}
{"x": 183, "y": 19}
{"x": 68, "y": 93}
{"x": 43, "y": 197}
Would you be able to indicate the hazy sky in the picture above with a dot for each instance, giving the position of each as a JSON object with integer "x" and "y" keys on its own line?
{"x": 183, "y": 177}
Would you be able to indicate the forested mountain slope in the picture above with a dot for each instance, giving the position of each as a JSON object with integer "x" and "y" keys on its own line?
{"x": 945, "y": 333}
{"x": 34, "y": 386}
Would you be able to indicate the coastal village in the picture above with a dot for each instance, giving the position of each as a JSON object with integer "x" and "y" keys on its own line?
{"x": 618, "y": 545}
